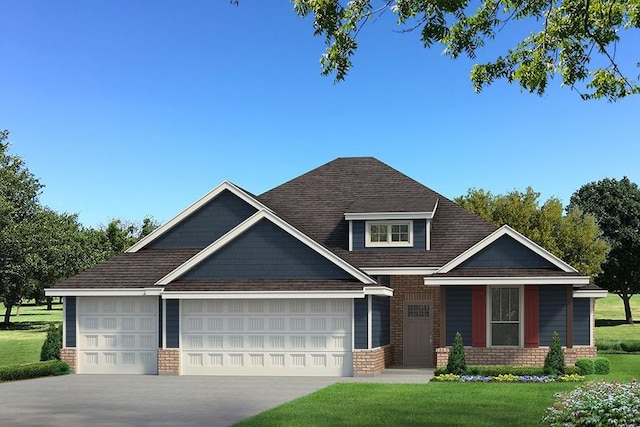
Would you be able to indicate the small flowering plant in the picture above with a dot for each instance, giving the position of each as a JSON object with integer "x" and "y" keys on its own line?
{"x": 447, "y": 378}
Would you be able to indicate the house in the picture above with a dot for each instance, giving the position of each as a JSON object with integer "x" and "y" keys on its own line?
{"x": 345, "y": 270}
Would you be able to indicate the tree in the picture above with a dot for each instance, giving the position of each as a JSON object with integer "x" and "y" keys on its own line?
{"x": 457, "y": 362}
{"x": 575, "y": 39}
{"x": 616, "y": 206}
{"x": 554, "y": 360}
{"x": 122, "y": 234}
{"x": 574, "y": 237}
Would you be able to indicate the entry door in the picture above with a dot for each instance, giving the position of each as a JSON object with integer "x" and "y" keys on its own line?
{"x": 418, "y": 333}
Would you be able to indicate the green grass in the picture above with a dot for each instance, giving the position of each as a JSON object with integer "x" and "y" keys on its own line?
{"x": 432, "y": 404}
{"x": 610, "y": 320}
{"x": 22, "y": 342}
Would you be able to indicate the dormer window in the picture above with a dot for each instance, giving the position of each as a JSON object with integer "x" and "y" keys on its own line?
{"x": 389, "y": 233}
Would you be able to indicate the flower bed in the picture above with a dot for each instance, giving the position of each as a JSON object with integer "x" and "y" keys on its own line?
{"x": 509, "y": 378}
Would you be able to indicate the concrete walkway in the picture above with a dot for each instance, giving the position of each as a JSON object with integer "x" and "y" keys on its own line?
{"x": 149, "y": 400}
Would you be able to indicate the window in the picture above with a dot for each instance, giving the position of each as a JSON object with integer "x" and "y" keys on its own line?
{"x": 505, "y": 316}
{"x": 389, "y": 234}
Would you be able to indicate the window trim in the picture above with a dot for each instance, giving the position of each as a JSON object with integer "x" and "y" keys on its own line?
{"x": 520, "y": 316}
{"x": 369, "y": 244}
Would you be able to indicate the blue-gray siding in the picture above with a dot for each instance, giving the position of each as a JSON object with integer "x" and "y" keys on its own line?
{"x": 265, "y": 251}
{"x": 419, "y": 237}
{"x": 581, "y": 321}
{"x": 70, "y": 321}
{"x": 207, "y": 224}
{"x": 553, "y": 313}
{"x": 458, "y": 313}
{"x": 506, "y": 253}
{"x": 360, "y": 308}
{"x": 173, "y": 323}
{"x": 380, "y": 321}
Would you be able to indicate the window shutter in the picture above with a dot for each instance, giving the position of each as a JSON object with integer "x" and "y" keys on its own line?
{"x": 479, "y": 316}
{"x": 531, "y": 316}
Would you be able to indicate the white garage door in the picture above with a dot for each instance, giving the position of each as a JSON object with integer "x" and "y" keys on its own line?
{"x": 117, "y": 335}
{"x": 266, "y": 337}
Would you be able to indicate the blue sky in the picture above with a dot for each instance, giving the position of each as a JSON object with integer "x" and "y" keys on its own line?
{"x": 132, "y": 108}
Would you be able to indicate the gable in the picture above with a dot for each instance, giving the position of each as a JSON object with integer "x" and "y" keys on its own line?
{"x": 265, "y": 251}
{"x": 207, "y": 224}
{"x": 506, "y": 252}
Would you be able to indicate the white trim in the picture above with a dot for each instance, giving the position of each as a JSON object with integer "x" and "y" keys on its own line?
{"x": 400, "y": 271}
{"x": 428, "y": 235}
{"x": 64, "y": 321}
{"x": 246, "y": 225}
{"x": 520, "y": 317}
{"x": 592, "y": 321}
{"x": 511, "y": 280}
{"x": 376, "y": 216}
{"x": 103, "y": 292}
{"x": 353, "y": 324}
{"x": 164, "y": 324}
{"x": 388, "y": 244}
{"x": 369, "y": 322}
{"x": 350, "y": 236}
{"x": 590, "y": 293}
{"x": 225, "y": 185}
{"x": 381, "y": 291}
{"x": 502, "y": 231}
{"x": 262, "y": 295}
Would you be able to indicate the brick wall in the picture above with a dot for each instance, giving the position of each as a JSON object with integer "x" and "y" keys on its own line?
{"x": 168, "y": 361}
{"x": 411, "y": 288}
{"x": 514, "y": 356}
{"x": 371, "y": 362}
{"x": 70, "y": 357}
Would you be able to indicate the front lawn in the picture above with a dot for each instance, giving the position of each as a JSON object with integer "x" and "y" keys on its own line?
{"x": 432, "y": 404}
{"x": 610, "y": 323}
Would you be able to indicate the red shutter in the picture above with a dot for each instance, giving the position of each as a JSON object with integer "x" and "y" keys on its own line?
{"x": 479, "y": 316}
{"x": 531, "y": 316}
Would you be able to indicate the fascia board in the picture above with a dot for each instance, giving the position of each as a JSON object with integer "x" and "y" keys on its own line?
{"x": 378, "y": 290}
{"x": 590, "y": 293}
{"x": 373, "y": 216}
{"x": 102, "y": 292}
{"x": 506, "y": 230}
{"x": 225, "y": 185}
{"x": 247, "y": 224}
{"x": 263, "y": 295}
{"x": 497, "y": 281}
{"x": 400, "y": 271}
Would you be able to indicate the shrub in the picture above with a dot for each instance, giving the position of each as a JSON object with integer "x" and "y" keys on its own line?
{"x": 33, "y": 370}
{"x": 457, "y": 362}
{"x": 494, "y": 371}
{"x": 572, "y": 370}
{"x": 447, "y": 378}
{"x": 440, "y": 371}
{"x": 601, "y": 365}
{"x": 585, "y": 366}
{"x": 596, "y": 404}
{"x": 554, "y": 362}
{"x": 52, "y": 344}
{"x": 630, "y": 346}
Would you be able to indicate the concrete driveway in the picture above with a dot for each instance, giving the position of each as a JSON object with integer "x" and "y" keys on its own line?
{"x": 146, "y": 400}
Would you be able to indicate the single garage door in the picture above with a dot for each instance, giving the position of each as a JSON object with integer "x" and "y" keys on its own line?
{"x": 118, "y": 335}
{"x": 295, "y": 337}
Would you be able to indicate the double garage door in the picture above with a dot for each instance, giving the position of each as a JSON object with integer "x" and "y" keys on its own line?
{"x": 292, "y": 337}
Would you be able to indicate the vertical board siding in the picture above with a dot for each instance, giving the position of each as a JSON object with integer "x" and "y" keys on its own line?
{"x": 479, "y": 316}
{"x": 265, "y": 251}
{"x": 381, "y": 327}
{"x": 207, "y": 224}
{"x": 581, "y": 321}
{"x": 360, "y": 309}
{"x": 458, "y": 313}
{"x": 506, "y": 253}
{"x": 70, "y": 321}
{"x": 419, "y": 237}
{"x": 173, "y": 323}
{"x": 553, "y": 313}
{"x": 531, "y": 316}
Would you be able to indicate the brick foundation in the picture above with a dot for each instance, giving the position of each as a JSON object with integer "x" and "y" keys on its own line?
{"x": 371, "y": 362}
{"x": 168, "y": 361}
{"x": 514, "y": 356}
{"x": 70, "y": 357}
{"x": 411, "y": 288}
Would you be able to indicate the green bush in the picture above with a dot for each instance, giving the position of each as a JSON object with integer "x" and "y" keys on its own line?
{"x": 457, "y": 362}
{"x": 440, "y": 371}
{"x": 596, "y": 404}
{"x": 572, "y": 370}
{"x": 617, "y": 346}
{"x": 585, "y": 366}
{"x": 554, "y": 362}
{"x": 494, "y": 371}
{"x": 33, "y": 370}
{"x": 52, "y": 344}
{"x": 601, "y": 365}
{"x": 630, "y": 346}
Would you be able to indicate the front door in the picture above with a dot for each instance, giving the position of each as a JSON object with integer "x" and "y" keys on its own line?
{"x": 418, "y": 333}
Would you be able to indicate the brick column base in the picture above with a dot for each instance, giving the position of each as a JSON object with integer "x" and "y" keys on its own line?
{"x": 514, "y": 356}
{"x": 168, "y": 361}
{"x": 70, "y": 357}
{"x": 371, "y": 362}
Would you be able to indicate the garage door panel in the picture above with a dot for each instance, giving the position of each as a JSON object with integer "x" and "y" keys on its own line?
{"x": 266, "y": 337}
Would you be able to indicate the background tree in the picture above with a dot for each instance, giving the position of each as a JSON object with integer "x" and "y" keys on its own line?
{"x": 575, "y": 39}
{"x": 616, "y": 206}
{"x": 574, "y": 237}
